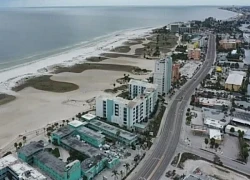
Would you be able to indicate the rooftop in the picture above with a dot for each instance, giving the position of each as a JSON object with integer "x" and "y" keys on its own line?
{"x": 51, "y": 162}
{"x": 21, "y": 169}
{"x": 213, "y": 123}
{"x": 235, "y": 79}
{"x": 113, "y": 130}
{"x": 90, "y": 162}
{"x": 213, "y": 102}
{"x": 213, "y": 113}
{"x": 31, "y": 148}
{"x": 90, "y": 133}
{"x": 142, "y": 83}
{"x": 88, "y": 116}
{"x": 63, "y": 131}
{"x": 80, "y": 146}
{"x": 75, "y": 123}
{"x": 215, "y": 133}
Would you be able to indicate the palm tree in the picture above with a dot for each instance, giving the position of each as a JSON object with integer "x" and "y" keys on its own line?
{"x": 16, "y": 145}
{"x": 121, "y": 174}
{"x": 115, "y": 174}
{"x": 206, "y": 141}
{"x": 127, "y": 166}
{"x": 20, "y": 144}
{"x": 114, "y": 85}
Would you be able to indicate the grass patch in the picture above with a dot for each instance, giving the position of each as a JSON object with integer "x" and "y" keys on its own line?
{"x": 55, "y": 152}
{"x": 124, "y": 95}
{"x": 116, "y": 89}
{"x": 121, "y": 49}
{"x": 187, "y": 156}
{"x": 116, "y": 55}
{"x": 132, "y": 42}
{"x": 46, "y": 84}
{"x": 139, "y": 51}
{"x": 175, "y": 160}
{"x": 79, "y": 68}
{"x": 96, "y": 59}
{"x": 5, "y": 98}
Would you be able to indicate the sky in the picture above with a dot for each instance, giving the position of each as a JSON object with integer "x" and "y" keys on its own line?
{"x": 33, "y": 3}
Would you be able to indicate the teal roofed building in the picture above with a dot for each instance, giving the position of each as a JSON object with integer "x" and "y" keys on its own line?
{"x": 27, "y": 152}
{"x": 57, "y": 169}
{"x": 61, "y": 133}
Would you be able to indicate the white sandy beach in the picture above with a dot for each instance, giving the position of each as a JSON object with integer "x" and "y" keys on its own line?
{"x": 34, "y": 108}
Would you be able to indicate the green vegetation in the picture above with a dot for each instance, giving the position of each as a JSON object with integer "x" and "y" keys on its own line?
{"x": 46, "y": 84}
{"x": 122, "y": 49}
{"x": 181, "y": 48}
{"x": 155, "y": 124}
{"x": 179, "y": 56}
{"x": 75, "y": 155}
{"x": 116, "y": 89}
{"x": 5, "y": 98}
{"x": 55, "y": 152}
{"x": 186, "y": 156}
{"x": 244, "y": 147}
{"x": 79, "y": 68}
{"x": 96, "y": 58}
{"x": 188, "y": 117}
{"x": 175, "y": 160}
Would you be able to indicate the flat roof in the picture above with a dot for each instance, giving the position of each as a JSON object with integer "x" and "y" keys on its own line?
{"x": 20, "y": 168}
{"x": 75, "y": 123}
{"x": 242, "y": 115}
{"x": 235, "y": 79}
{"x": 51, "y": 162}
{"x": 88, "y": 116}
{"x": 63, "y": 131}
{"x": 234, "y": 52}
{"x": 141, "y": 126}
{"x": 228, "y": 127}
{"x": 215, "y": 133}
{"x": 241, "y": 121}
{"x": 213, "y": 122}
{"x": 31, "y": 148}
{"x": 81, "y": 146}
{"x": 112, "y": 129}
{"x": 212, "y": 102}
{"x": 213, "y": 113}
{"x": 90, "y": 162}
{"x": 142, "y": 83}
{"x": 91, "y": 133}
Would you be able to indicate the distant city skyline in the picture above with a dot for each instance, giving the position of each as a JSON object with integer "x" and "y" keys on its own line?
{"x": 41, "y": 3}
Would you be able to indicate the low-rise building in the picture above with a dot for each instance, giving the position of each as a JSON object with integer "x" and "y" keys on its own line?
{"x": 12, "y": 168}
{"x": 233, "y": 130}
{"x": 234, "y": 82}
{"x": 213, "y": 123}
{"x": 113, "y": 132}
{"x": 216, "y": 135}
{"x": 194, "y": 54}
{"x": 214, "y": 103}
{"x": 229, "y": 43}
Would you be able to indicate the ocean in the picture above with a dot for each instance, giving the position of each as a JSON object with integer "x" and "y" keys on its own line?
{"x": 28, "y": 34}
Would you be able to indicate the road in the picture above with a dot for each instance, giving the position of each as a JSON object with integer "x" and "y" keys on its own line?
{"x": 166, "y": 145}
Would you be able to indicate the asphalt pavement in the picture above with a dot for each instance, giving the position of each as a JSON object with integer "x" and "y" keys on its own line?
{"x": 165, "y": 147}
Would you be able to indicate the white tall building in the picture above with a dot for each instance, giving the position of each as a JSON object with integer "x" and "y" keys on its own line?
{"x": 127, "y": 112}
{"x": 137, "y": 87}
{"x": 163, "y": 75}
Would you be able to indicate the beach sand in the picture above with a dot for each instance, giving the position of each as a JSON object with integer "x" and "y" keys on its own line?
{"x": 33, "y": 108}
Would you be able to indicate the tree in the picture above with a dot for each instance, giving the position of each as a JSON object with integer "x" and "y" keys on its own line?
{"x": 114, "y": 85}
{"x": 232, "y": 130}
{"x": 20, "y": 144}
{"x": 188, "y": 110}
{"x": 212, "y": 142}
{"x": 115, "y": 174}
{"x": 121, "y": 174}
{"x": 24, "y": 138}
{"x": 216, "y": 145}
{"x": 16, "y": 145}
{"x": 127, "y": 167}
{"x": 206, "y": 141}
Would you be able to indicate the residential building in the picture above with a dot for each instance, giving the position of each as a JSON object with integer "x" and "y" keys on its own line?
{"x": 163, "y": 75}
{"x": 203, "y": 42}
{"x": 12, "y": 168}
{"x": 214, "y": 103}
{"x": 57, "y": 169}
{"x": 175, "y": 72}
{"x": 234, "y": 82}
{"x": 194, "y": 54}
{"x": 128, "y": 112}
{"x": 174, "y": 28}
{"x": 111, "y": 132}
{"x": 137, "y": 87}
{"x": 229, "y": 43}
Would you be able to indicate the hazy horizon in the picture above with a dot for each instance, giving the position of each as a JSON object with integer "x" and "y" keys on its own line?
{"x": 63, "y": 3}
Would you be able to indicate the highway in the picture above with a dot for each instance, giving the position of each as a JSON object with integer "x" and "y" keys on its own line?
{"x": 166, "y": 145}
